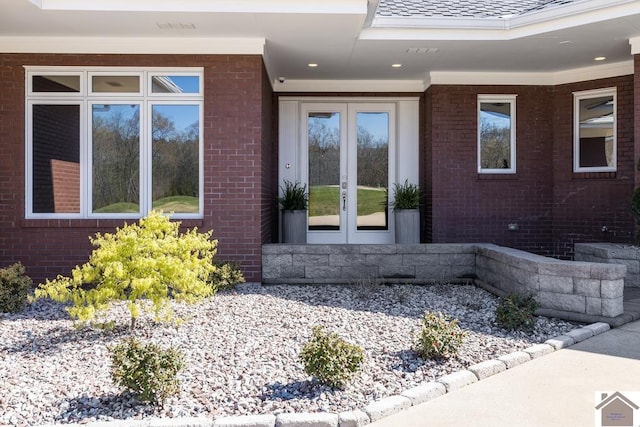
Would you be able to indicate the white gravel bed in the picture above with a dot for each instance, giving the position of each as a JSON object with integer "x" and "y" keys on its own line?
{"x": 241, "y": 351}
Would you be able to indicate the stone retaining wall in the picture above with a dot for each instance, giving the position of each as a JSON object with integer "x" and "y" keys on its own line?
{"x": 565, "y": 286}
{"x": 300, "y": 264}
{"x": 583, "y": 291}
{"x": 612, "y": 253}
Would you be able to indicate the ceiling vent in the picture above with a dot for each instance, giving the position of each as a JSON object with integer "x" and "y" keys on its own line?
{"x": 423, "y": 50}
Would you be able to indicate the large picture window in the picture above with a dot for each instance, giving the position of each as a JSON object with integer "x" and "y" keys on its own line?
{"x": 496, "y": 133}
{"x": 113, "y": 143}
{"x": 594, "y": 146}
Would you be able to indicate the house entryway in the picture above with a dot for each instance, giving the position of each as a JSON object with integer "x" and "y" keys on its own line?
{"x": 348, "y": 152}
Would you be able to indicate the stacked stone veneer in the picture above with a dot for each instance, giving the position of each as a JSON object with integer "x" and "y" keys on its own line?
{"x": 563, "y": 288}
{"x": 612, "y": 253}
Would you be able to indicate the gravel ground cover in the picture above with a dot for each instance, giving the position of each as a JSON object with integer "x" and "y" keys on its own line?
{"x": 241, "y": 351}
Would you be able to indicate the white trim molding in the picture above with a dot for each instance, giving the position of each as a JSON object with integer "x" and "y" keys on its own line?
{"x": 132, "y": 45}
{"x": 348, "y": 86}
{"x": 217, "y": 6}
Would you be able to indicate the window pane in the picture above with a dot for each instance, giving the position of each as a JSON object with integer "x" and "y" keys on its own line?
{"x": 56, "y": 84}
{"x": 596, "y": 132}
{"x": 495, "y": 135}
{"x": 175, "y": 84}
{"x": 175, "y": 158}
{"x": 56, "y": 159}
{"x": 324, "y": 170}
{"x": 116, "y": 158}
{"x": 115, "y": 84}
{"x": 373, "y": 170}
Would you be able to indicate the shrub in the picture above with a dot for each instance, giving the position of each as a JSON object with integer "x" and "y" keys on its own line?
{"x": 330, "y": 359}
{"x": 515, "y": 312}
{"x": 14, "y": 287}
{"x": 151, "y": 261}
{"x": 226, "y": 276}
{"x": 146, "y": 370}
{"x": 439, "y": 337}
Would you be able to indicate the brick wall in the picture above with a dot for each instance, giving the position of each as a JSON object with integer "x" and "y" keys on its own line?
{"x": 584, "y": 203}
{"x": 552, "y": 206}
{"x": 237, "y": 138}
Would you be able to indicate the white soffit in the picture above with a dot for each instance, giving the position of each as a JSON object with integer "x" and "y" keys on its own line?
{"x": 504, "y": 28}
{"x": 529, "y": 79}
{"x": 132, "y": 45}
{"x": 226, "y": 6}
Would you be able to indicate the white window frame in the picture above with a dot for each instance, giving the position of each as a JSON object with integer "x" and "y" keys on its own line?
{"x": 139, "y": 75}
{"x": 85, "y": 99}
{"x": 597, "y": 93}
{"x": 151, "y": 94}
{"x": 507, "y": 99}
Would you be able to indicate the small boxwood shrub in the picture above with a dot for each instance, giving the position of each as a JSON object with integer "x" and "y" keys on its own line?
{"x": 515, "y": 312}
{"x": 226, "y": 276}
{"x": 146, "y": 370}
{"x": 330, "y": 359}
{"x": 439, "y": 336}
{"x": 14, "y": 288}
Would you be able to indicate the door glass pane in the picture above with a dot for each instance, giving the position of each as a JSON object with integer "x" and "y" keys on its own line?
{"x": 596, "y": 132}
{"x": 56, "y": 159}
{"x": 115, "y": 84}
{"x": 324, "y": 171}
{"x": 495, "y": 135}
{"x": 116, "y": 158}
{"x": 373, "y": 170}
{"x": 175, "y": 158}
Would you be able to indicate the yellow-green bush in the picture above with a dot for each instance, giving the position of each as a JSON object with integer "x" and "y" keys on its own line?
{"x": 148, "y": 261}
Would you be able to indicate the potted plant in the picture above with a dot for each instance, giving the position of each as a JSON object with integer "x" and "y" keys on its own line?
{"x": 406, "y": 211}
{"x": 294, "y": 202}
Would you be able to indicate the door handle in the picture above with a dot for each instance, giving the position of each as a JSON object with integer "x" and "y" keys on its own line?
{"x": 344, "y": 200}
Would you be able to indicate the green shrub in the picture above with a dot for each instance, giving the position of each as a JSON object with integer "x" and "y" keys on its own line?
{"x": 146, "y": 370}
{"x": 226, "y": 276}
{"x": 14, "y": 288}
{"x": 515, "y": 312}
{"x": 439, "y": 336}
{"x": 150, "y": 261}
{"x": 330, "y": 359}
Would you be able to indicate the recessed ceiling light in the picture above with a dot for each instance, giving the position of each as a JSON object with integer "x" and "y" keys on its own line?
{"x": 396, "y": 65}
{"x": 599, "y": 58}
{"x": 312, "y": 65}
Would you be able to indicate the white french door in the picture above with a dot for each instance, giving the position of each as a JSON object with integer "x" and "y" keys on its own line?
{"x": 348, "y": 163}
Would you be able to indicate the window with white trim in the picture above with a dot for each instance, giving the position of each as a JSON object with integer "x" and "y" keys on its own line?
{"x": 113, "y": 143}
{"x": 594, "y": 131}
{"x": 496, "y": 133}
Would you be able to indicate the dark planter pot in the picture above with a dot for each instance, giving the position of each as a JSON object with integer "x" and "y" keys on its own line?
{"x": 294, "y": 227}
{"x": 407, "y": 226}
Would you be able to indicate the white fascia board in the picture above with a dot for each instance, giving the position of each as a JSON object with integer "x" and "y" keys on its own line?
{"x": 219, "y": 6}
{"x": 133, "y": 45}
{"x": 507, "y": 28}
{"x": 530, "y": 79}
{"x": 349, "y": 86}
{"x": 635, "y": 45}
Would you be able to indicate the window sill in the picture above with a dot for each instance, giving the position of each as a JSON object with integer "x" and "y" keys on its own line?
{"x": 93, "y": 223}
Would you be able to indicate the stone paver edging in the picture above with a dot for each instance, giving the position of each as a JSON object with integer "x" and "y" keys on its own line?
{"x": 381, "y": 408}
